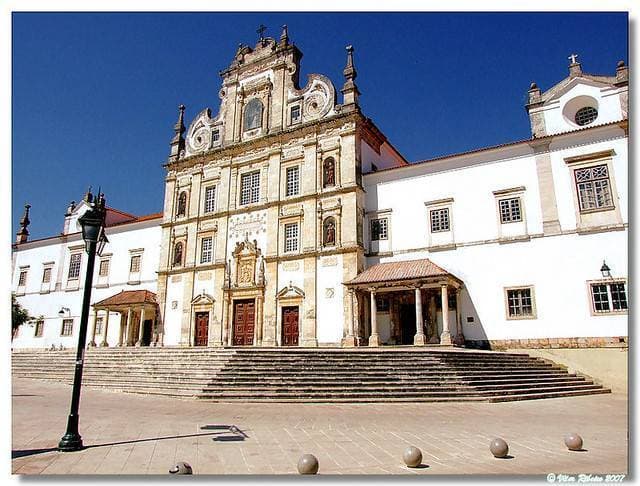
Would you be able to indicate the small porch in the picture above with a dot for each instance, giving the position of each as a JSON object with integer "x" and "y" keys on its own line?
{"x": 138, "y": 311}
{"x": 412, "y": 302}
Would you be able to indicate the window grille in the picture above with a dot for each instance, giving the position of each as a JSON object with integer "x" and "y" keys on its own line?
{"x": 46, "y": 275}
{"x": 74, "y": 265}
{"x": 586, "y": 115}
{"x": 291, "y": 237}
{"x": 520, "y": 302}
{"x": 440, "y": 220}
{"x": 293, "y": 181}
{"x": 609, "y": 297}
{"x": 510, "y": 210}
{"x": 67, "y": 327}
{"x": 206, "y": 251}
{"x": 22, "y": 279}
{"x": 250, "y": 188}
{"x": 209, "y": 199}
{"x": 593, "y": 187}
{"x": 135, "y": 264}
{"x": 379, "y": 229}
{"x": 104, "y": 268}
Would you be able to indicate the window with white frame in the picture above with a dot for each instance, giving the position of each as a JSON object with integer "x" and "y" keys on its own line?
{"x": 39, "y": 328}
{"x": 439, "y": 220}
{"x": 291, "y": 237}
{"x": 250, "y": 188}
{"x": 206, "y": 250}
{"x": 295, "y": 114}
{"x": 22, "y": 279}
{"x": 103, "y": 270}
{"x": 46, "y": 275}
{"x": 510, "y": 211}
{"x": 293, "y": 181}
{"x": 134, "y": 267}
{"x": 67, "y": 327}
{"x": 593, "y": 187}
{"x": 379, "y": 229}
{"x": 609, "y": 297}
{"x": 520, "y": 303}
{"x": 74, "y": 266}
{"x": 209, "y": 199}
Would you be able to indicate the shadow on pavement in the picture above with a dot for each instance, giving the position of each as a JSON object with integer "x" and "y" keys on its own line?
{"x": 31, "y": 452}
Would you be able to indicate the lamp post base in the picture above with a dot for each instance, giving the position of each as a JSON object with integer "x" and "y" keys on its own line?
{"x": 70, "y": 442}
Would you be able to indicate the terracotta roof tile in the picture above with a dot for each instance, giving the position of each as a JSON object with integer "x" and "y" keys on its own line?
{"x": 128, "y": 297}
{"x": 403, "y": 270}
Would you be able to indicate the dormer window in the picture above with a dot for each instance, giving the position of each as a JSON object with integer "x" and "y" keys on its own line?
{"x": 253, "y": 115}
{"x": 585, "y": 116}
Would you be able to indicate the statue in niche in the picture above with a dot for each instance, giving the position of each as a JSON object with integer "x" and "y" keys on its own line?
{"x": 329, "y": 172}
{"x": 182, "y": 204}
{"x": 177, "y": 254}
{"x": 329, "y": 232}
{"x": 253, "y": 115}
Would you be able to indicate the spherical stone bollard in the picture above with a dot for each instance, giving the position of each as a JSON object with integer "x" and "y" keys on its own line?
{"x": 573, "y": 442}
{"x": 308, "y": 464}
{"x": 412, "y": 456}
{"x": 181, "y": 468}
{"x": 499, "y": 448}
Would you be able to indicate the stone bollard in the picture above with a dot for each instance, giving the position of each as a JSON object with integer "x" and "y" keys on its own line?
{"x": 412, "y": 456}
{"x": 308, "y": 464}
{"x": 181, "y": 468}
{"x": 573, "y": 442}
{"x": 499, "y": 448}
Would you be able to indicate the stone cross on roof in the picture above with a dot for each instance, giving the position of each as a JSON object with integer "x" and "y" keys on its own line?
{"x": 261, "y": 30}
{"x": 573, "y": 58}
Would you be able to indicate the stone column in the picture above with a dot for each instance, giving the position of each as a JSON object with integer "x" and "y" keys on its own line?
{"x": 445, "y": 337}
{"x": 92, "y": 343}
{"x": 433, "y": 320}
{"x": 121, "y": 336}
{"x": 349, "y": 340}
{"x": 419, "y": 339}
{"x": 374, "y": 338}
{"x": 141, "y": 333}
{"x": 104, "y": 342}
{"x": 257, "y": 337}
{"x": 129, "y": 327}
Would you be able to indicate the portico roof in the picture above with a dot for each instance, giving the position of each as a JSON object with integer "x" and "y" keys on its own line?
{"x": 400, "y": 271}
{"x": 128, "y": 297}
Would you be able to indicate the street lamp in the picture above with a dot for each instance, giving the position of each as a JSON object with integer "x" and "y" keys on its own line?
{"x": 92, "y": 222}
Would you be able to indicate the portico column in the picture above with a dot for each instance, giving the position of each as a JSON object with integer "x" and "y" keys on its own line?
{"x": 445, "y": 337}
{"x": 350, "y": 340}
{"x": 419, "y": 339}
{"x": 129, "y": 327}
{"x": 104, "y": 343}
{"x": 92, "y": 343}
{"x": 121, "y": 335}
{"x": 374, "y": 338}
{"x": 139, "y": 342}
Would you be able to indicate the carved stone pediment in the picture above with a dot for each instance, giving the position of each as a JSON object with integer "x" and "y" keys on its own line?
{"x": 203, "y": 299}
{"x": 246, "y": 255}
{"x": 290, "y": 292}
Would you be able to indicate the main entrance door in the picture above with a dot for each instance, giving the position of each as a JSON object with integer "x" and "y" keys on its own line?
{"x": 202, "y": 328}
{"x": 407, "y": 323}
{"x": 244, "y": 322}
{"x": 290, "y": 326}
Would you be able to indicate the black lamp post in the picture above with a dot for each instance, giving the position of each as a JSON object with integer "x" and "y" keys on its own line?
{"x": 92, "y": 222}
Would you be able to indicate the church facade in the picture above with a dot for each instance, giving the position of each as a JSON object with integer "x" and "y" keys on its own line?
{"x": 290, "y": 220}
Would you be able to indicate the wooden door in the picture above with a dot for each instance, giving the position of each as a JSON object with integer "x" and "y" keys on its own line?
{"x": 202, "y": 328}
{"x": 244, "y": 322}
{"x": 290, "y": 326}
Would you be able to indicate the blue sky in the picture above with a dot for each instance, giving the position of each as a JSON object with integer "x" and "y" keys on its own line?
{"x": 95, "y": 96}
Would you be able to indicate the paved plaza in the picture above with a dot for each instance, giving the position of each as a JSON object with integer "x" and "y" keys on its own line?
{"x": 138, "y": 434}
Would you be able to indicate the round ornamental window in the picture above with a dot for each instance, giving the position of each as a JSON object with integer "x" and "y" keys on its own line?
{"x": 586, "y": 115}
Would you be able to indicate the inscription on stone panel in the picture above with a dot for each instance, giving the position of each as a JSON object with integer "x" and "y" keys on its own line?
{"x": 248, "y": 224}
{"x": 329, "y": 262}
{"x": 176, "y": 278}
{"x": 291, "y": 266}
{"x": 207, "y": 225}
{"x": 204, "y": 276}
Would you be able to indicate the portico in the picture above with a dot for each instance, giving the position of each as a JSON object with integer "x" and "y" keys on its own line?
{"x": 411, "y": 302}
{"x": 138, "y": 311}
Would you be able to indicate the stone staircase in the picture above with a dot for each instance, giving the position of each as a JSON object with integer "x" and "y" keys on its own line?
{"x": 313, "y": 375}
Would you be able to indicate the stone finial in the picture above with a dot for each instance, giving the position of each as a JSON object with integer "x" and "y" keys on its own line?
{"x": 575, "y": 68}
{"x": 349, "y": 89}
{"x": 70, "y": 208}
{"x": 261, "y": 273}
{"x": 622, "y": 73}
{"x": 88, "y": 197}
{"x": 177, "y": 142}
{"x": 534, "y": 93}
{"x": 23, "y": 233}
{"x": 284, "y": 37}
